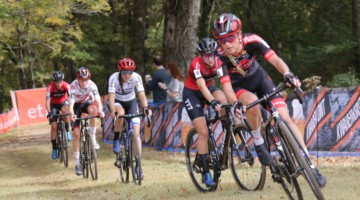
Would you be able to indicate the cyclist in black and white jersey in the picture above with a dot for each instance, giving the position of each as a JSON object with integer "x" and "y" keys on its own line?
{"x": 122, "y": 99}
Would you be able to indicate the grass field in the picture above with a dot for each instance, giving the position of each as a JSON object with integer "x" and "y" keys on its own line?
{"x": 28, "y": 172}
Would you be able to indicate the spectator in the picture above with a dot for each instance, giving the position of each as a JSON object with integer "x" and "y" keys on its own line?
{"x": 176, "y": 85}
{"x": 160, "y": 75}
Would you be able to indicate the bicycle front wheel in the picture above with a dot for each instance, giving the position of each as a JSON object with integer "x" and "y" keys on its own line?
{"x": 135, "y": 159}
{"x": 83, "y": 156}
{"x": 91, "y": 159}
{"x": 64, "y": 147}
{"x": 246, "y": 169}
{"x": 193, "y": 163}
{"x": 295, "y": 148}
{"x": 122, "y": 161}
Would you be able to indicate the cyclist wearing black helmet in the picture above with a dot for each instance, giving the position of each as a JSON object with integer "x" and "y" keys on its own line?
{"x": 198, "y": 89}
{"x": 56, "y": 101}
{"x": 247, "y": 77}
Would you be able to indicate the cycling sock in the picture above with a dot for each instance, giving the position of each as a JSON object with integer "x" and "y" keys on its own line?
{"x": 77, "y": 158}
{"x": 53, "y": 142}
{"x": 204, "y": 162}
{"x": 92, "y": 131}
{"x": 258, "y": 139}
{"x": 116, "y": 136}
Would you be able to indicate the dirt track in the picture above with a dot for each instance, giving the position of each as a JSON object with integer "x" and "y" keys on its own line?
{"x": 28, "y": 172}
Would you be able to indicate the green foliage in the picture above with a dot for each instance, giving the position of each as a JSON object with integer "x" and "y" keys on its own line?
{"x": 344, "y": 80}
{"x": 312, "y": 82}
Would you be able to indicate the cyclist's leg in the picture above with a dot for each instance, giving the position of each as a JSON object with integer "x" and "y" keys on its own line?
{"x": 254, "y": 117}
{"x": 65, "y": 110}
{"x": 76, "y": 139}
{"x": 118, "y": 128}
{"x": 53, "y": 131}
{"x": 284, "y": 113}
{"x": 196, "y": 113}
{"x": 93, "y": 111}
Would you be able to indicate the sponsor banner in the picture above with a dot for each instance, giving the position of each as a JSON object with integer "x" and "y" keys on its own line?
{"x": 328, "y": 120}
{"x": 8, "y": 120}
{"x": 31, "y": 106}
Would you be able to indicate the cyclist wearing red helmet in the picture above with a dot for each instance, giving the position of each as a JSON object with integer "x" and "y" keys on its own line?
{"x": 122, "y": 99}
{"x": 247, "y": 77}
{"x": 56, "y": 101}
{"x": 83, "y": 95}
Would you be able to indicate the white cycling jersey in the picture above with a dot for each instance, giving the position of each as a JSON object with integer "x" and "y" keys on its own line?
{"x": 78, "y": 95}
{"x": 126, "y": 92}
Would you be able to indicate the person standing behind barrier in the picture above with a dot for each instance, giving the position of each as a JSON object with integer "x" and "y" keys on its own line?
{"x": 160, "y": 75}
{"x": 122, "y": 99}
{"x": 175, "y": 87}
{"x": 56, "y": 101}
{"x": 199, "y": 87}
{"x": 83, "y": 95}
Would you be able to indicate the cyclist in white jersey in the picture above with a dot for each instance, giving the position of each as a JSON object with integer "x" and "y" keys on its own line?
{"x": 122, "y": 99}
{"x": 83, "y": 95}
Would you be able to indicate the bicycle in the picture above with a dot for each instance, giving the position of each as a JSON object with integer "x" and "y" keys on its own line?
{"x": 244, "y": 165}
{"x": 88, "y": 156}
{"x": 128, "y": 156}
{"x": 289, "y": 157}
{"x": 62, "y": 140}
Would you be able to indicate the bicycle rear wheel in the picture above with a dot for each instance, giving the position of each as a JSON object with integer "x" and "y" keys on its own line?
{"x": 135, "y": 158}
{"x": 246, "y": 169}
{"x": 64, "y": 147}
{"x": 121, "y": 161}
{"x": 304, "y": 166}
{"x": 193, "y": 164}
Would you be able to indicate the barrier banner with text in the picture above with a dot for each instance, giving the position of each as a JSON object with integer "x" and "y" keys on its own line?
{"x": 329, "y": 120}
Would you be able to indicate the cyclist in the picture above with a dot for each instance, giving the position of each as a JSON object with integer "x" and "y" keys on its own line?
{"x": 83, "y": 96}
{"x": 248, "y": 77}
{"x": 57, "y": 100}
{"x": 199, "y": 88}
{"x": 122, "y": 99}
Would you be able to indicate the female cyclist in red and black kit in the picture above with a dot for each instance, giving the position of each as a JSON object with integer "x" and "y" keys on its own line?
{"x": 56, "y": 101}
{"x": 249, "y": 80}
{"x": 198, "y": 89}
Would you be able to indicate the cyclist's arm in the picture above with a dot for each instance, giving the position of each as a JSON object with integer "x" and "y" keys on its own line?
{"x": 200, "y": 82}
{"x": 100, "y": 107}
{"x": 48, "y": 105}
{"x": 112, "y": 104}
{"x": 229, "y": 93}
{"x": 282, "y": 67}
{"x": 143, "y": 101}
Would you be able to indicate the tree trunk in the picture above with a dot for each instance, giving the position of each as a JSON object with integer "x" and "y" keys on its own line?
{"x": 180, "y": 32}
{"x": 138, "y": 33}
{"x": 356, "y": 33}
{"x": 169, "y": 45}
{"x": 206, "y": 19}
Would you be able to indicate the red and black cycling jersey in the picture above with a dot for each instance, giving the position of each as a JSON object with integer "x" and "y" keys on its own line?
{"x": 246, "y": 61}
{"x": 57, "y": 96}
{"x": 198, "y": 69}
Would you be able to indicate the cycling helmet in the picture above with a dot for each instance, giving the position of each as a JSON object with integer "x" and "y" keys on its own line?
{"x": 83, "y": 73}
{"x": 126, "y": 64}
{"x": 226, "y": 24}
{"x": 207, "y": 45}
{"x": 57, "y": 76}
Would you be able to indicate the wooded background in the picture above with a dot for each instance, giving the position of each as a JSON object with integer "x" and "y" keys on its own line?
{"x": 316, "y": 38}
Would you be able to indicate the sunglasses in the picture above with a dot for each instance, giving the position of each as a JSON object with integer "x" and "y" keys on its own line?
{"x": 83, "y": 79}
{"x": 229, "y": 39}
{"x": 126, "y": 72}
{"x": 208, "y": 55}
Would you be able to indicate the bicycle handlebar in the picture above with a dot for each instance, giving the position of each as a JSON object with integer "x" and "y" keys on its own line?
{"x": 130, "y": 116}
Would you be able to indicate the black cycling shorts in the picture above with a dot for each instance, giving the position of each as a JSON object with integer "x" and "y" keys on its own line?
{"x": 194, "y": 101}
